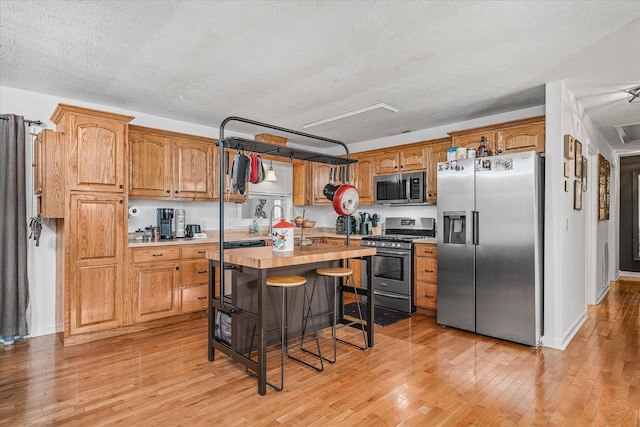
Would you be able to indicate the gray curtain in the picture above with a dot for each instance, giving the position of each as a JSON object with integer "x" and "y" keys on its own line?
{"x": 14, "y": 286}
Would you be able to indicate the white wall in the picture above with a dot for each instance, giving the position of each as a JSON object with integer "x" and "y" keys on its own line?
{"x": 565, "y": 254}
{"x": 569, "y": 262}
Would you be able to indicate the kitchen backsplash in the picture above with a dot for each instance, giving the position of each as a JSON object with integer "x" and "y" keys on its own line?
{"x": 205, "y": 214}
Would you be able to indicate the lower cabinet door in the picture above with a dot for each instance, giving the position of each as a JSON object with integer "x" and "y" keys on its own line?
{"x": 156, "y": 290}
{"x": 96, "y": 300}
{"x": 194, "y": 298}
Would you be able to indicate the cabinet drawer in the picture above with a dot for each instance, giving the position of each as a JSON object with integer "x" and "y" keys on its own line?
{"x": 196, "y": 271}
{"x": 426, "y": 269}
{"x": 426, "y": 295}
{"x": 426, "y": 250}
{"x": 155, "y": 254}
{"x": 194, "y": 298}
{"x": 197, "y": 251}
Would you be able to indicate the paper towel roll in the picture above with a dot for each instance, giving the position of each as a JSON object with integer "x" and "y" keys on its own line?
{"x": 134, "y": 211}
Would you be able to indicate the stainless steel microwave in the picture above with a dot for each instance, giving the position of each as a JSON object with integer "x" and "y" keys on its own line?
{"x": 400, "y": 188}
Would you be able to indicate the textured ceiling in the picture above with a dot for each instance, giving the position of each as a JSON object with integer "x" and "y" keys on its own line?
{"x": 295, "y": 62}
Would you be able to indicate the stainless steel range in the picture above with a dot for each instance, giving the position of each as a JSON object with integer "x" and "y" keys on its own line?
{"x": 392, "y": 266}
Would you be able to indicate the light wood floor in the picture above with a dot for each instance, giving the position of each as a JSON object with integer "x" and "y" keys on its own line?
{"x": 418, "y": 374}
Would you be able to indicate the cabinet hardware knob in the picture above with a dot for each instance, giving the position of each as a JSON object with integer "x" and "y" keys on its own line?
{"x": 121, "y": 186}
{"x": 168, "y": 191}
{"x": 177, "y": 268}
{"x": 176, "y": 191}
{"x": 156, "y": 255}
{"x": 121, "y": 201}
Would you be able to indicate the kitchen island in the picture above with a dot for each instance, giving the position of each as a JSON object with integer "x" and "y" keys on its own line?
{"x": 254, "y": 309}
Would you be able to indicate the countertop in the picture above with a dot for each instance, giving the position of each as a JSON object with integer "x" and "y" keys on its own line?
{"x": 265, "y": 257}
{"x": 213, "y": 236}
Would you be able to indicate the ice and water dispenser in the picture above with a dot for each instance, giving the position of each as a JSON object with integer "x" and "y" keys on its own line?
{"x": 455, "y": 227}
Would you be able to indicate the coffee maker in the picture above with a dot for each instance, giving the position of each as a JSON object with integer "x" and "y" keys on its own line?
{"x": 165, "y": 222}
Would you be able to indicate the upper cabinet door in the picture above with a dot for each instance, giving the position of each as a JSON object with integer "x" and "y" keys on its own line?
{"x": 149, "y": 165}
{"x": 365, "y": 171}
{"x": 193, "y": 169}
{"x": 522, "y": 138}
{"x": 412, "y": 159}
{"x": 387, "y": 162}
{"x": 96, "y": 154}
{"x": 436, "y": 153}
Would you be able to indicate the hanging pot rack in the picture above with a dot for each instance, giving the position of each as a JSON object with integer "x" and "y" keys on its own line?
{"x": 261, "y": 147}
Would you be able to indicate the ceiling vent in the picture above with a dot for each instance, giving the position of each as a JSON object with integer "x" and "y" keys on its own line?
{"x": 629, "y": 133}
{"x": 351, "y": 117}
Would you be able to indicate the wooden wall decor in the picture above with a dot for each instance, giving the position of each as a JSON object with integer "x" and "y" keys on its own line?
{"x": 577, "y": 195}
{"x": 578, "y": 156}
{"x": 604, "y": 172}
{"x": 569, "y": 147}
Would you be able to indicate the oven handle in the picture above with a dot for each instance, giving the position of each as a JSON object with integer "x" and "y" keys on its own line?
{"x": 388, "y": 295}
{"x": 391, "y": 252}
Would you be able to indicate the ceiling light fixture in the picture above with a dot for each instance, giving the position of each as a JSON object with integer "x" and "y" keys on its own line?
{"x": 271, "y": 174}
{"x": 351, "y": 117}
{"x": 634, "y": 94}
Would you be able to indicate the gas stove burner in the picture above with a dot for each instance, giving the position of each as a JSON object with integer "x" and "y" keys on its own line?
{"x": 391, "y": 238}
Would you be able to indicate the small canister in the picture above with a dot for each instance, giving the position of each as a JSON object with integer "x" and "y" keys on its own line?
{"x": 471, "y": 153}
{"x": 451, "y": 154}
{"x": 461, "y": 153}
{"x": 283, "y": 236}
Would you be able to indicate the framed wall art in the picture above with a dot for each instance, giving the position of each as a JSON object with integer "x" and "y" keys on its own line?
{"x": 569, "y": 147}
{"x": 578, "y": 170}
{"x": 577, "y": 195}
{"x": 567, "y": 170}
{"x": 584, "y": 174}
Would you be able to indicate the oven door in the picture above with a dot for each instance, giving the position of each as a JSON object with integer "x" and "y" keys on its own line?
{"x": 391, "y": 271}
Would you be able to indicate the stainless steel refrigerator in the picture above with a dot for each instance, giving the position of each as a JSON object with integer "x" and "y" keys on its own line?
{"x": 490, "y": 243}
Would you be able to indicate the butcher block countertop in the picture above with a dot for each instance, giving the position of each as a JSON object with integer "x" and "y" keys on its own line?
{"x": 265, "y": 257}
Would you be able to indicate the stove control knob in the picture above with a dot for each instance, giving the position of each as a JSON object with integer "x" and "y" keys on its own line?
{"x": 383, "y": 244}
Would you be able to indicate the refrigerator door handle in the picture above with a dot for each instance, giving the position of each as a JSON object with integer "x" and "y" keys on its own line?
{"x": 476, "y": 228}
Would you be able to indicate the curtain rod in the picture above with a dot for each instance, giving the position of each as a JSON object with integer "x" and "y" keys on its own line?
{"x": 27, "y": 121}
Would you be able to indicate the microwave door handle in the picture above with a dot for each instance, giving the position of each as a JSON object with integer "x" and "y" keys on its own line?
{"x": 408, "y": 189}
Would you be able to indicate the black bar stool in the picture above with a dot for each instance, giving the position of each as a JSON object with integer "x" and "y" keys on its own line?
{"x": 284, "y": 282}
{"x": 338, "y": 274}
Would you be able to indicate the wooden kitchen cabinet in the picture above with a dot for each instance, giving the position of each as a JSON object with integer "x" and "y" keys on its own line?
{"x": 95, "y": 144}
{"x": 364, "y": 173}
{"x": 508, "y": 137}
{"x": 425, "y": 275}
{"x": 302, "y": 178}
{"x": 320, "y": 179}
{"x": 406, "y": 159}
{"x": 194, "y": 286}
{"x": 94, "y": 269}
{"x": 170, "y": 165}
{"x": 91, "y": 204}
{"x": 436, "y": 153}
{"x": 521, "y": 138}
{"x": 155, "y": 274}
{"x": 49, "y": 174}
